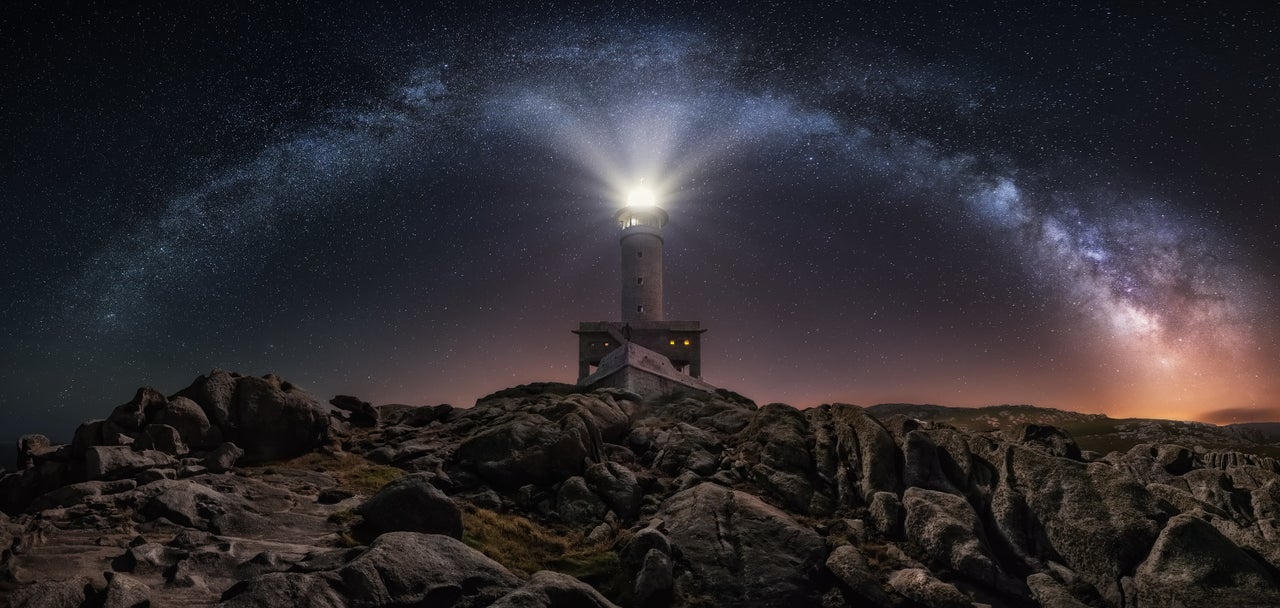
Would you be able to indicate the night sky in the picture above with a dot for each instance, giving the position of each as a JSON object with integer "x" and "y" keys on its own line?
{"x": 1069, "y": 206}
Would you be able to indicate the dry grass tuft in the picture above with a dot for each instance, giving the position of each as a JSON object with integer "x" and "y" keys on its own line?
{"x": 352, "y": 471}
{"x": 524, "y": 547}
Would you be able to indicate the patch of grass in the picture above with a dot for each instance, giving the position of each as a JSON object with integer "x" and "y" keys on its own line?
{"x": 352, "y": 471}
{"x": 343, "y": 517}
{"x": 368, "y": 479}
{"x": 524, "y": 547}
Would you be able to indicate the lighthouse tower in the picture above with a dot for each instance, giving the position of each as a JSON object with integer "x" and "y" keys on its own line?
{"x": 643, "y": 353}
{"x": 641, "y": 221}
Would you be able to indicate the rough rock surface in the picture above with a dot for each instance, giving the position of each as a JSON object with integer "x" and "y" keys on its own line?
{"x": 741, "y": 549}
{"x": 407, "y": 568}
{"x": 277, "y": 419}
{"x": 918, "y": 585}
{"x": 412, "y": 504}
{"x": 117, "y": 462}
{"x": 679, "y": 500}
{"x": 1192, "y": 564}
{"x": 948, "y": 530}
{"x": 546, "y": 589}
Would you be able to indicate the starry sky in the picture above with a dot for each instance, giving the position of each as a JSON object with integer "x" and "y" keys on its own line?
{"x": 1065, "y": 205}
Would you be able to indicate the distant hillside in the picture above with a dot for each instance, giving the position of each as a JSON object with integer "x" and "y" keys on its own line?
{"x": 1099, "y": 432}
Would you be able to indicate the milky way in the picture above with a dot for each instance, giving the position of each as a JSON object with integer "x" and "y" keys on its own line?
{"x": 853, "y": 222}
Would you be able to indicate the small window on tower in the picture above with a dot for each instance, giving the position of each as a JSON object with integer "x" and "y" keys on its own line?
{"x": 673, "y": 342}
{"x": 686, "y": 342}
{"x": 639, "y": 280}
{"x": 640, "y": 309}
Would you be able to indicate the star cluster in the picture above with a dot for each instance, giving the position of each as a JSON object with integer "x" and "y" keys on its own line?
{"x": 1063, "y": 206}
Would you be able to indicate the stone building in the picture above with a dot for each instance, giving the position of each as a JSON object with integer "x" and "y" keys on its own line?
{"x": 643, "y": 352}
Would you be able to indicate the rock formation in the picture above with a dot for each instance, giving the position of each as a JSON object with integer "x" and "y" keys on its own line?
{"x": 247, "y": 492}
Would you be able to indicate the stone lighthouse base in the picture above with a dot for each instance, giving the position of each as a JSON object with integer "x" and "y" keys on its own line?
{"x": 642, "y": 371}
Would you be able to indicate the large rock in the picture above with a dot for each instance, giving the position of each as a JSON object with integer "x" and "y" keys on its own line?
{"x": 116, "y": 462}
{"x": 776, "y": 449}
{"x": 655, "y": 583}
{"x": 577, "y": 504}
{"x": 918, "y": 585}
{"x": 277, "y": 419}
{"x": 886, "y": 514}
{"x": 685, "y": 447}
{"x": 284, "y": 589}
{"x": 361, "y": 413}
{"x": 70, "y": 593}
{"x": 408, "y": 568}
{"x": 192, "y": 424}
{"x": 223, "y": 458}
{"x": 849, "y": 565}
{"x": 618, "y": 486}
{"x": 412, "y": 504}
{"x": 741, "y": 551}
{"x": 640, "y": 544}
{"x": 77, "y": 493}
{"x": 162, "y": 438}
{"x": 948, "y": 530}
{"x": 853, "y": 453}
{"x": 1100, "y": 521}
{"x": 132, "y": 416}
{"x": 926, "y": 465}
{"x": 528, "y": 449}
{"x": 30, "y": 447}
{"x": 87, "y": 434}
{"x": 1047, "y": 439}
{"x": 1192, "y": 564}
{"x": 1052, "y": 594}
{"x": 195, "y": 505}
{"x": 124, "y": 591}
{"x": 216, "y": 395}
{"x": 546, "y": 589}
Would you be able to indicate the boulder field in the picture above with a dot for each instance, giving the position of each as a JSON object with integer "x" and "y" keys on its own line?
{"x": 246, "y": 491}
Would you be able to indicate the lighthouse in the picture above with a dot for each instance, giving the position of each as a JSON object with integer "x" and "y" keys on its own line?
{"x": 642, "y": 352}
{"x": 641, "y": 221}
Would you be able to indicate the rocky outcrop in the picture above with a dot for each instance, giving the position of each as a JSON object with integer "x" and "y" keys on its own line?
{"x": 851, "y": 568}
{"x": 78, "y": 493}
{"x": 359, "y": 413}
{"x": 578, "y": 505}
{"x": 190, "y": 421}
{"x": 691, "y": 500}
{"x": 618, "y": 486}
{"x": 739, "y": 549}
{"x": 1192, "y": 564}
{"x": 412, "y": 504}
{"x": 655, "y": 582}
{"x": 546, "y": 589}
{"x": 284, "y": 589}
{"x": 918, "y": 585}
{"x": 948, "y": 530}
{"x": 118, "y": 462}
{"x": 408, "y": 568}
{"x": 277, "y": 419}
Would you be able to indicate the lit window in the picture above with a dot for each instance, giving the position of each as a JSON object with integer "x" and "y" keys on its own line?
{"x": 686, "y": 342}
{"x": 639, "y": 280}
{"x": 673, "y": 342}
{"x": 606, "y": 343}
